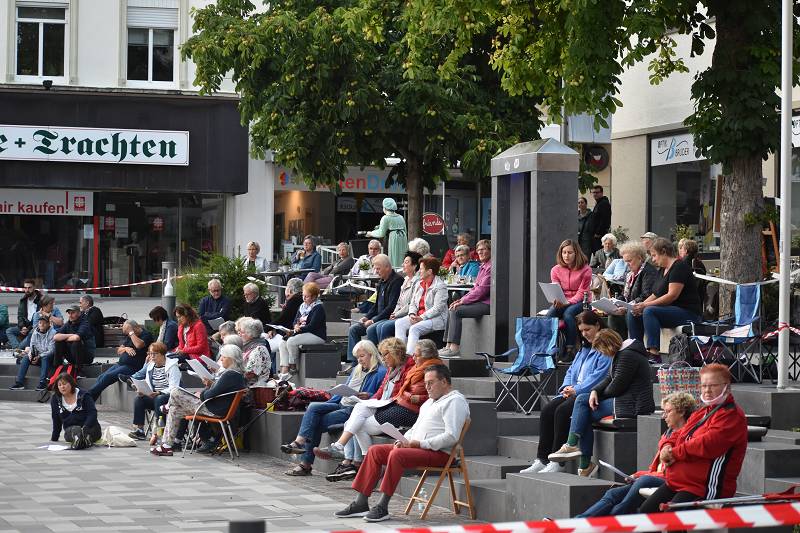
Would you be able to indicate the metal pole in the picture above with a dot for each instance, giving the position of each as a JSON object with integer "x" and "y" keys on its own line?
{"x": 786, "y": 190}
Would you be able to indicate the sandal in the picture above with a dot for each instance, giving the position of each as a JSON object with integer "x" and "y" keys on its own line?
{"x": 161, "y": 451}
{"x": 299, "y": 470}
{"x": 293, "y": 448}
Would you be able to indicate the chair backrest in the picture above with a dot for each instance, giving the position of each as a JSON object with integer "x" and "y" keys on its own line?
{"x": 537, "y": 342}
{"x": 748, "y": 302}
{"x": 237, "y": 399}
{"x": 460, "y": 442}
{"x": 359, "y": 247}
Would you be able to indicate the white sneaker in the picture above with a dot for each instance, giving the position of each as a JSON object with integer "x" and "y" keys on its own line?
{"x": 285, "y": 376}
{"x": 552, "y": 466}
{"x": 536, "y": 467}
{"x": 445, "y": 351}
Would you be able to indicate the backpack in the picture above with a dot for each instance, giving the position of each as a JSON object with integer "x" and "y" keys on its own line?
{"x": 299, "y": 398}
{"x": 679, "y": 349}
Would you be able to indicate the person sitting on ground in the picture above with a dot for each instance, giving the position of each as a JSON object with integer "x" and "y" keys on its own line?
{"x": 428, "y": 309}
{"x": 254, "y": 305}
{"x": 420, "y": 246}
{"x": 132, "y": 354}
{"x": 675, "y": 300}
{"x": 216, "y": 397}
{"x": 705, "y": 456}
{"x": 647, "y": 239}
{"x": 164, "y": 376}
{"x": 603, "y": 257}
{"x": 28, "y": 305}
{"x": 462, "y": 239}
{"x": 463, "y": 265}
{"x": 392, "y": 228}
{"x": 252, "y": 261}
{"x": 626, "y": 392}
{"x": 192, "y": 339}
{"x": 309, "y": 327}
{"x": 294, "y": 299}
{"x": 436, "y": 431}
{"x": 474, "y": 304}
{"x": 387, "y": 294}
{"x": 74, "y": 339}
{"x": 385, "y": 328}
{"x": 677, "y": 407}
{"x": 638, "y": 283}
{"x": 95, "y": 317}
{"x": 40, "y": 351}
{"x": 73, "y": 410}
{"x": 361, "y": 425}
{"x": 167, "y": 328}
{"x": 574, "y": 276}
{"x": 340, "y": 267}
{"x": 365, "y": 377}
{"x": 214, "y": 306}
{"x": 255, "y": 353}
{"x": 589, "y": 368}
{"x": 307, "y": 257}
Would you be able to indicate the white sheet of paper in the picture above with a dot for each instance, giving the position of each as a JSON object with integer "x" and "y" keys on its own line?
{"x": 375, "y": 403}
{"x": 343, "y": 390}
{"x": 142, "y": 386}
{"x": 54, "y": 447}
{"x": 210, "y": 363}
{"x": 393, "y": 432}
{"x": 614, "y": 469}
{"x": 199, "y": 369}
{"x": 215, "y": 323}
{"x": 605, "y": 305}
{"x": 279, "y": 328}
{"x": 622, "y": 303}
{"x": 553, "y": 292}
{"x": 737, "y": 332}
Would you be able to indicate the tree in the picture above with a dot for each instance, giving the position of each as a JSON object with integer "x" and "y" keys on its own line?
{"x": 322, "y": 85}
{"x": 588, "y": 44}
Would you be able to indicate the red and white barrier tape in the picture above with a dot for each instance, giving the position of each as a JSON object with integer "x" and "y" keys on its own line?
{"x": 89, "y": 289}
{"x": 781, "y": 326}
{"x": 777, "y": 514}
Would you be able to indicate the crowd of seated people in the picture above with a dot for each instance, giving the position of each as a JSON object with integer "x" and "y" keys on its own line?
{"x": 428, "y": 310}
{"x": 452, "y": 255}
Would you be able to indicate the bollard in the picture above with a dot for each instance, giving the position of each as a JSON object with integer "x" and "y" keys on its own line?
{"x": 167, "y": 288}
{"x": 247, "y": 526}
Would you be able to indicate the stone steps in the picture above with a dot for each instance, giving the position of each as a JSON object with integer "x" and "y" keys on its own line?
{"x": 488, "y": 495}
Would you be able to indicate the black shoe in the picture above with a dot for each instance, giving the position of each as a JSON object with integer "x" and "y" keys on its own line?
{"x": 17, "y": 386}
{"x": 352, "y": 511}
{"x": 41, "y": 386}
{"x": 207, "y": 447}
{"x": 138, "y": 434}
{"x": 378, "y": 513}
{"x": 342, "y": 473}
{"x": 293, "y": 448}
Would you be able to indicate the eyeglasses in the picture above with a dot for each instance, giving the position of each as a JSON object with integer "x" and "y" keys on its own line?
{"x": 153, "y": 353}
{"x": 711, "y": 385}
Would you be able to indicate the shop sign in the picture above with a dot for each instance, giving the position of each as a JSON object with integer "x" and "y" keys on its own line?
{"x": 368, "y": 180}
{"x": 347, "y": 204}
{"x": 94, "y": 145}
{"x": 796, "y": 132}
{"x": 673, "y": 149}
{"x": 158, "y": 224}
{"x": 432, "y": 224}
{"x": 46, "y": 202}
{"x": 109, "y": 223}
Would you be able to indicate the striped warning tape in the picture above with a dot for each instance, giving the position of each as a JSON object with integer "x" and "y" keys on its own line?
{"x": 88, "y": 289}
{"x": 771, "y": 515}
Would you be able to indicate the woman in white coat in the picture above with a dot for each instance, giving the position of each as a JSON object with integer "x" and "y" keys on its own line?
{"x": 428, "y": 308}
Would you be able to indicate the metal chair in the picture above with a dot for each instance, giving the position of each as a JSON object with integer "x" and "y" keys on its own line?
{"x": 224, "y": 422}
{"x": 537, "y": 346}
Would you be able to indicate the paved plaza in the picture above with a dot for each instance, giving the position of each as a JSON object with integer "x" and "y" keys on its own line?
{"x": 127, "y": 489}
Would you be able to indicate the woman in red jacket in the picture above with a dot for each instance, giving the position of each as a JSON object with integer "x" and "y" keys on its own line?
{"x": 704, "y": 458}
{"x": 192, "y": 339}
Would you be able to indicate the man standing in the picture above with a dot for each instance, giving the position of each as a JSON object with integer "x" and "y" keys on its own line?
{"x": 28, "y": 305}
{"x": 429, "y": 442}
{"x": 95, "y": 318}
{"x": 601, "y": 217}
{"x": 215, "y": 305}
{"x": 388, "y": 292}
{"x": 132, "y": 354}
{"x": 254, "y": 305}
{"x": 74, "y": 339}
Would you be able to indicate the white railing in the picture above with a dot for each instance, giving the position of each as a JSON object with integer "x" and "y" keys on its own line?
{"x": 329, "y": 253}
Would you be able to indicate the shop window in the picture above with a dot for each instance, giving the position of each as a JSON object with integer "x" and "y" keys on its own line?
{"x": 151, "y": 55}
{"x": 41, "y": 41}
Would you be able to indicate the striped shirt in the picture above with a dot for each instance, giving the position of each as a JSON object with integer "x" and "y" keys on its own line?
{"x": 160, "y": 381}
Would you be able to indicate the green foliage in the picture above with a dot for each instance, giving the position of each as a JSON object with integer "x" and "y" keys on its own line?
{"x": 621, "y": 234}
{"x": 232, "y": 273}
{"x": 682, "y": 231}
{"x": 768, "y": 214}
{"x": 586, "y": 180}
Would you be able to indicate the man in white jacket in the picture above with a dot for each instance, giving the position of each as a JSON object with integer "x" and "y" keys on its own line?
{"x": 428, "y": 443}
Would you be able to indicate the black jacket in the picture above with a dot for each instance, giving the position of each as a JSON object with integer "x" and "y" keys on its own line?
{"x": 84, "y": 414}
{"x": 289, "y": 311}
{"x": 601, "y": 217}
{"x": 228, "y": 381}
{"x": 95, "y": 318}
{"x": 316, "y": 323}
{"x": 81, "y": 328}
{"x": 629, "y": 383}
{"x": 643, "y": 284}
{"x": 386, "y": 299}
{"x": 22, "y": 310}
{"x": 259, "y": 309}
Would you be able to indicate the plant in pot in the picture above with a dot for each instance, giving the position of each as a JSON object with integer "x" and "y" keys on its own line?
{"x": 363, "y": 267}
{"x": 285, "y": 264}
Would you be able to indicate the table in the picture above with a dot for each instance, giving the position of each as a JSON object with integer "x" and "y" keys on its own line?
{"x": 285, "y": 275}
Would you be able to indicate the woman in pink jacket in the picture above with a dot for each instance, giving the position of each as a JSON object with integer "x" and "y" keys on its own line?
{"x": 572, "y": 272}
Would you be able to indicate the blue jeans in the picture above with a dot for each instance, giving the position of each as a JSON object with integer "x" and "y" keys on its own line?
{"x": 622, "y": 500}
{"x": 353, "y": 451}
{"x": 384, "y": 330}
{"x": 655, "y": 317}
{"x": 358, "y": 330}
{"x": 582, "y": 418}
{"x": 109, "y": 377}
{"x": 568, "y": 314}
{"x": 145, "y": 403}
{"x": 23, "y": 369}
{"x": 318, "y": 417}
{"x": 13, "y": 338}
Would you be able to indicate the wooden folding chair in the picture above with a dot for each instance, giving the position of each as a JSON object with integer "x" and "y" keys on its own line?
{"x": 455, "y": 463}
{"x": 224, "y": 423}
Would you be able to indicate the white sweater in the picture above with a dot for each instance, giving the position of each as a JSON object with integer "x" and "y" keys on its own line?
{"x": 440, "y": 422}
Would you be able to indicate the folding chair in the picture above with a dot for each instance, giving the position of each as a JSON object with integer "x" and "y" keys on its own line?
{"x": 537, "y": 346}
{"x": 224, "y": 423}
{"x": 455, "y": 463}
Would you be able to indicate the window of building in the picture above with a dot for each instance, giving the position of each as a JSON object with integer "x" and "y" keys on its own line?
{"x": 41, "y": 41}
{"x": 151, "y": 44}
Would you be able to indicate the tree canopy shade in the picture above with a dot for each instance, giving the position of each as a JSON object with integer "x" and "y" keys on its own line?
{"x": 322, "y": 84}
{"x": 588, "y": 44}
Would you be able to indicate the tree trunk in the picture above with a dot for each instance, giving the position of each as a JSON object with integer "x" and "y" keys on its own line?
{"x": 740, "y": 244}
{"x": 415, "y": 200}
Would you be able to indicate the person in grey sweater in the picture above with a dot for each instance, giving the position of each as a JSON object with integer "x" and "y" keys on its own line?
{"x": 39, "y": 352}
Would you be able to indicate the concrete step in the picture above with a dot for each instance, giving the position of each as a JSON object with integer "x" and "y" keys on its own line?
{"x": 782, "y": 436}
{"x": 467, "y": 367}
{"x": 518, "y": 446}
{"x": 488, "y": 496}
{"x": 556, "y": 495}
{"x": 27, "y": 395}
{"x": 767, "y": 460}
{"x": 780, "y": 484}
{"x": 32, "y": 379}
{"x": 493, "y": 466}
{"x": 511, "y": 423}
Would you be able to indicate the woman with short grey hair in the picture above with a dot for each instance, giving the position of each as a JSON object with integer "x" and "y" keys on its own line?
{"x": 603, "y": 257}
{"x": 257, "y": 357}
{"x": 234, "y": 339}
{"x": 420, "y": 246}
{"x": 307, "y": 257}
{"x": 340, "y": 267}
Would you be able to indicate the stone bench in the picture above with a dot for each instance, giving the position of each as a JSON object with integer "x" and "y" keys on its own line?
{"x": 665, "y": 337}
{"x": 555, "y": 495}
{"x": 319, "y": 361}
{"x": 477, "y": 335}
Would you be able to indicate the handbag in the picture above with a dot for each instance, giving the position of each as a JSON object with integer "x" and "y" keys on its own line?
{"x": 263, "y": 396}
{"x": 679, "y": 376}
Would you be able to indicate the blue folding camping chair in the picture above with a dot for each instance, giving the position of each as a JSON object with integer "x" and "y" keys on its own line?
{"x": 537, "y": 346}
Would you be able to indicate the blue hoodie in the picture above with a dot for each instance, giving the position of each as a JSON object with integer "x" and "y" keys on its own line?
{"x": 589, "y": 368}
{"x": 370, "y": 385}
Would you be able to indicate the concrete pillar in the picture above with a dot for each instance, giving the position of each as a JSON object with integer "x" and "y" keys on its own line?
{"x": 534, "y": 186}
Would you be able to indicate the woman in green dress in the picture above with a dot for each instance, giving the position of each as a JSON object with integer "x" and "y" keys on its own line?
{"x": 392, "y": 225}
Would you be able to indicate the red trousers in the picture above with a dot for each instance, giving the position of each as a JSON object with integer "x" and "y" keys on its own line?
{"x": 396, "y": 461}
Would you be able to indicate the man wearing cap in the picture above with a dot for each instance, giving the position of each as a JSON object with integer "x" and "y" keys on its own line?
{"x": 393, "y": 226}
{"x": 132, "y": 354}
{"x": 74, "y": 340}
{"x": 647, "y": 239}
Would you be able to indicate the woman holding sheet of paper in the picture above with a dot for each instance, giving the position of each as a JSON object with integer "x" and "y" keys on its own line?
{"x": 638, "y": 283}
{"x": 162, "y": 376}
{"x": 573, "y": 274}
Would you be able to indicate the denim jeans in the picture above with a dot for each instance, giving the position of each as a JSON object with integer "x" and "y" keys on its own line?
{"x": 568, "y": 314}
{"x": 358, "y": 330}
{"x": 145, "y": 403}
{"x": 14, "y": 340}
{"x": 582, "y": 418}
{"x": 109, "y": 377}
{"x": 622, "y": 500}
{"x": 25, "y": 362}
{"x": 655, "y": 317}
{"x": 318, "y": 417}
{"x": 384, "y": 330}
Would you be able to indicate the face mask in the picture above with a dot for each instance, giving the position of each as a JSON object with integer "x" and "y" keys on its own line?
{"x": 717, "y": 400}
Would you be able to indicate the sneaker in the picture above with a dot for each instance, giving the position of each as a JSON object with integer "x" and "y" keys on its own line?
{"x": 552, "y": 467}
{"x": 536, "y": 467}
{"x": 565, "y": 453}
{"x": 284, "y": 376}
{"x": 17, "y": 386}
{"x": 208, "y": 446}
{"x": 451, "y": 354}
{"x": 589, "y": 471}
{"x": 353, "y": 510}
{"x": 345, "y": 371}
{"x": 41, "y": 386}
{"x": 378, "y": 513}
{"x": 445, "y": 351}
{"x": 137, "y": 434}
{"x": 334, "y": 451}
{"x": 298, "y": 471}
{"x": 343, "y": 473}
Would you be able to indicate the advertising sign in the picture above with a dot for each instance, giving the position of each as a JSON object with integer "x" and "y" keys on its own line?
{"x": 432, "y": 224}
{"x": 46, "y": 202}
{"x": 673, "y": 149}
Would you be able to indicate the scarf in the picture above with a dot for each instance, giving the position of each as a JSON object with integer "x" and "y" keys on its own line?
{"x": 417, "y": 373}
{"x": 305, "y": 308}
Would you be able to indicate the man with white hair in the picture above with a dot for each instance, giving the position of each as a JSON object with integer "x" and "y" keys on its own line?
{"x": 215, "y": 305}
{"x": 254, "y": 305}
{"x": 132, "y": 357}
{"x": 373, "y": 249}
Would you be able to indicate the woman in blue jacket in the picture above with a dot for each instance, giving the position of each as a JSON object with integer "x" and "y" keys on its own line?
{"x": 588, "y": 369}
{"x": 73, "y": 410}
{"x": 307, "y": 257}
{"x": 366, "y": 378}
{"x": 309, "y": 328}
